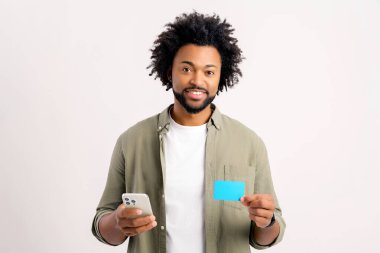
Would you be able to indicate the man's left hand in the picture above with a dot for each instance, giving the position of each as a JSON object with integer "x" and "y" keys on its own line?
{"x": 260, "y": 207}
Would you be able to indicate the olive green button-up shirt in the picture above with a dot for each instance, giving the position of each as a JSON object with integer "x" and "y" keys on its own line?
{"x": 233, "y": 153}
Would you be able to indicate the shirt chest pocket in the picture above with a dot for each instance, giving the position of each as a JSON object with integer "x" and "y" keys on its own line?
{"x": 237, "y": 173}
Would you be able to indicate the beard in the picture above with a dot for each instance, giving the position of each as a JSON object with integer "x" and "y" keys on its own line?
{"x": 191, "y": 109}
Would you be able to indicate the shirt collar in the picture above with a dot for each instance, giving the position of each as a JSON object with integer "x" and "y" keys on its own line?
{"x": 164, "y": 119}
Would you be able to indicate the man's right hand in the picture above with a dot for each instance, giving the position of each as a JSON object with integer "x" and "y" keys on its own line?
{"x": 130, "y": 226}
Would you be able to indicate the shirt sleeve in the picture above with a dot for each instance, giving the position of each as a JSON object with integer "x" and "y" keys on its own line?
{"x": 264, "y": 185}
{"x": 115, "y": 187}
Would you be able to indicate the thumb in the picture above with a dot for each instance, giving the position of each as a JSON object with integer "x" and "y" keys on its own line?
{"x": 245, "y": 200}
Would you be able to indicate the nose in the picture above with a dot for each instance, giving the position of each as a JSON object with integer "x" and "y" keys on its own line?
{"x": 197, "y": 79}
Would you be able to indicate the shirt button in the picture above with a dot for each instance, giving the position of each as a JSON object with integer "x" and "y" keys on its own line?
{"x": 162, "y": 227}
{"x": 163, "y": 196}
{"x": 159, "y": 127}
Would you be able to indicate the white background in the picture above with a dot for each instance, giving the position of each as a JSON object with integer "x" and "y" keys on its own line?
{"x": 73, "y": 77}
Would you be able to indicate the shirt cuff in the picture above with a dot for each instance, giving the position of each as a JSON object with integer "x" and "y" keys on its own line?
{"x": 95, "y": 226}
{"x": 282, "y": 224}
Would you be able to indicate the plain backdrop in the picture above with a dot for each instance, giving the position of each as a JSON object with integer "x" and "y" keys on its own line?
{"x": 73, "y": 77}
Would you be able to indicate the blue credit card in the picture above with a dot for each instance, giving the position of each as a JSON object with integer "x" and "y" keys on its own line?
{"x": 228, "y": 190}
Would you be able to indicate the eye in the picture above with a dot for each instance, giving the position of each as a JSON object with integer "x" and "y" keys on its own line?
{"x": 210, "y": 73}
{"x": 186, "y": 69}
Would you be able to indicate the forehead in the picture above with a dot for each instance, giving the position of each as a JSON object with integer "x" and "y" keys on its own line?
{"x": 198, "y": 55}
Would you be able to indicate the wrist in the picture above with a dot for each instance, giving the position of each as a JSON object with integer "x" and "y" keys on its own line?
{"x": 272, "y": 221}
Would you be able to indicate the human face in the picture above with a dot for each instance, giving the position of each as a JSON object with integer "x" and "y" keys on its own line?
{"x": 195, "y": 76}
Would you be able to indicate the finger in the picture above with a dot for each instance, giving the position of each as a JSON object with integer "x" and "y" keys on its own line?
{"x": 146, "y": 227}
{"x": 138, "y": 230}
{"x": 259, "y": 221}
{"x": 264, "y": 196}
{"x": 129, "y": 233}
{"x": 123, "y": 212}
{"x": 130, "y": 212}
{"x": 137, "y": 222}
{"x": 249, "y": 198}
{"x": 261, "y": 212}
{"x": 246, "y": 200}
{"x": 262, "y": 203}
{"x": 120, "y": 210}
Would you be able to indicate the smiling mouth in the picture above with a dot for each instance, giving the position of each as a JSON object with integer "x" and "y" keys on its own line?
{"x": 196, "y": 90}
{"x": 195, "y": 94}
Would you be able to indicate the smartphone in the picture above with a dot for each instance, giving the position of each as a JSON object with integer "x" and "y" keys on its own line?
{"x": 138, "y": 200}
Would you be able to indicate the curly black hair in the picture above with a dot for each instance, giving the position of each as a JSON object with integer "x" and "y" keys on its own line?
{"x": 202, "y": 30}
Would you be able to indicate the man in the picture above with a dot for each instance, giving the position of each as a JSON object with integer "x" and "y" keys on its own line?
{"x": 176, "y": 156}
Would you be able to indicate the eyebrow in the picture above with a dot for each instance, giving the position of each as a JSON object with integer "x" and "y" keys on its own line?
{"x": 192, "y": 64}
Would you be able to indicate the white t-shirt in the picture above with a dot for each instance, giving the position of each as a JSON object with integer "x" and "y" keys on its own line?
{"x": 184, "y": 190}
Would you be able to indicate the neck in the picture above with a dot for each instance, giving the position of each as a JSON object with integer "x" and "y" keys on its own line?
{"x": 182, "y": 117}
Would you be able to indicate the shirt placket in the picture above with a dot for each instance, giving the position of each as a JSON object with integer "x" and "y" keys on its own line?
{"x": 162, "y": 130}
